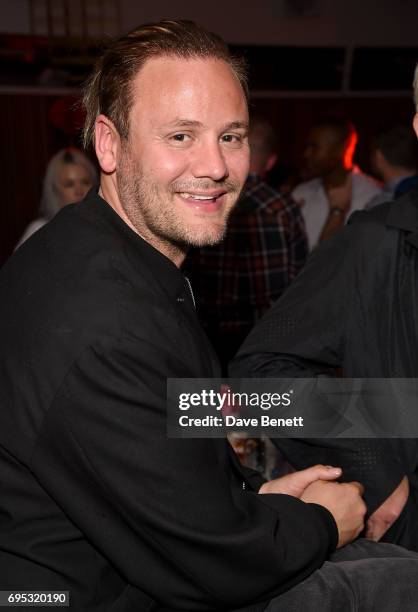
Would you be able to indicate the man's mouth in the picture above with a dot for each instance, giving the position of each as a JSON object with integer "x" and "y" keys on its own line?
{"x": 207, "y": 202}
{"x": 202, "y": 197}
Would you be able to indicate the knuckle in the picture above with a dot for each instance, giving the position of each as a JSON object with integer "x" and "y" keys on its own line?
{"x": 356, "y": 486}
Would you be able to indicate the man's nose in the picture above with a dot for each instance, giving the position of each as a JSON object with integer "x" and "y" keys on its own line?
{"x": 209, "y": 162}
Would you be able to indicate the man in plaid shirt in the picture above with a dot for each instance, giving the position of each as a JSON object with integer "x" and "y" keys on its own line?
{"x": 265, "y": 247}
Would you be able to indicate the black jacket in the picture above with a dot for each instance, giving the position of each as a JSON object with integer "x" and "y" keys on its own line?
{"x": 354, "y": 306}
{"x": 94, "y": 498}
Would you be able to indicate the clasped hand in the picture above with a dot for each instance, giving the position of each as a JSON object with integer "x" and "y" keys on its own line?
{"x": 314, "y": 485}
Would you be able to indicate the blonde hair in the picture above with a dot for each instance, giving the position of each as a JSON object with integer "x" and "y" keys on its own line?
{"x": 50, "y": 201}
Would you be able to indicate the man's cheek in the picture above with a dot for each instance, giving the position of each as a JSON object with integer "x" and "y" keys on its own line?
{"x": 168, "y": 164}
{"x": 241, "y": 165}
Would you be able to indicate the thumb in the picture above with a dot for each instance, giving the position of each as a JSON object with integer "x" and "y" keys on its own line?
{"x": 295, "y": 483}
{"x": 317, "y": 472}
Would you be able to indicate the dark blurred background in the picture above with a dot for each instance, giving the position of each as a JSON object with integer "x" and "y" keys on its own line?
{"x": 307, "y": 59}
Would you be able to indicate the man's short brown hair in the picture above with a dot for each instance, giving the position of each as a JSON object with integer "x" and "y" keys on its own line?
{"x": 109, "y": 89}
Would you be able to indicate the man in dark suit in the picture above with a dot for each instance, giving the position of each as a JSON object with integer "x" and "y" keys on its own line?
{"x": 96, "y": 315}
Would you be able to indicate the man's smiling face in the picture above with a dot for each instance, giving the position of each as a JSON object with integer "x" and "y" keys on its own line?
{"x": 186, "y": 158}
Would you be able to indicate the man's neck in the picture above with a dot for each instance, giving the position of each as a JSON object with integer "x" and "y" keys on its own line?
{"x": 337, "y": 177}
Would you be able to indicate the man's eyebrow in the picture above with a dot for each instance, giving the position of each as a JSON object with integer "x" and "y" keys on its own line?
{"x": 237, "y": 125}
{"x": 190, "y": 123}
{"x": 184, "y": 123}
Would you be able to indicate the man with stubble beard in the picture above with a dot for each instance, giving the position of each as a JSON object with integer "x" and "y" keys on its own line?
{"x": 96, "y": 315}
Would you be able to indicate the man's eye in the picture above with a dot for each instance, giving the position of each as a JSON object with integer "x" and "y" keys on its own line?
{"x": 180, "y": 137}
{"x": 232, "y": 138}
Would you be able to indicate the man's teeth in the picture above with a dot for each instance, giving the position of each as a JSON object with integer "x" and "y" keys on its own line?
{"x": 197, "y": 197}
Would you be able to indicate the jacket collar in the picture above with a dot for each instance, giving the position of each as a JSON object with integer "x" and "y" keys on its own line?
{"x": 148, "y": 260}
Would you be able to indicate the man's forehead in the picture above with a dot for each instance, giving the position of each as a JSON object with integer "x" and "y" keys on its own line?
{"x": 187, "y": 68}
{"x": 180, "y": 90}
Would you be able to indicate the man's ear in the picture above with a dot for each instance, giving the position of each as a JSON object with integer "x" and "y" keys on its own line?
{"x": 271, "y": 160}
{"x": 107, "y": 143}
{"x": 415, "y": 124}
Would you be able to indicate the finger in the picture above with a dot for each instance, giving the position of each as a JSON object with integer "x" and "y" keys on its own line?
{"x": 317, "y": 472}
{"x": 329, "y": 472}
{"x": 358, "y": 486}
{"x": 296, "y": 482}
{"x": 376, "y": 530}
{"x": 371, "y": 535}
{"x": 324, "y": 472}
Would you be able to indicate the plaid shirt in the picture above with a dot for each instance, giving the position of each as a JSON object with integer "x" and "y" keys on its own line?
{"x": 265, "y": 247}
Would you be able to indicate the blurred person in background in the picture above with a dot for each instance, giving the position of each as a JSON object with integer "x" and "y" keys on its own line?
{"x": 395, "y": 161}
{"x": 69, "y": 176}
{"x": 237, "y": 280}
{"x": 339, "y": 187}
{"x": 353, "y": 310}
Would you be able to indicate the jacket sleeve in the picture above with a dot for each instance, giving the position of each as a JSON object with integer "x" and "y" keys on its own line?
{"x": 171, "y": 515}
{"x": 304, "y": 335}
